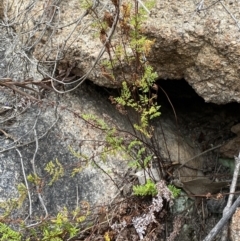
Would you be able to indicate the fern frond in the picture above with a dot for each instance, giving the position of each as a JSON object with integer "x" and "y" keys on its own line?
{"x": 8, "y": 234}
{"x": 55, "y": 170}
{"x": 149, "y": 188}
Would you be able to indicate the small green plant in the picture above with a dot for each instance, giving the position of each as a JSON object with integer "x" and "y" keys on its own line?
{"x": 55, "y": 170}
{"x": 175, "y": 191}
{"x": 8, "y": 206}
{"x": 60, "y": 228}
{"x": 128, "y": 48}
{"x": 33, "y": 178}
{"x": 148, "y": 189}
{"x": 8, "y": 234}
{"x": 136, "y": 89}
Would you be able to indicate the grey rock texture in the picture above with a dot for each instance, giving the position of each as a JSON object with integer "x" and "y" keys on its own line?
{"x": 19, "y": 117}
{"x": 178, "y": 149}
{"x": 57, "y": 131}
{"x": 1, "y": 10}
{"x": 197, "y": 42}
{"x": 90, "y": 185}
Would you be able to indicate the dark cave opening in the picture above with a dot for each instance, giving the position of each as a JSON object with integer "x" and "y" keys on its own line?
{"x": 184, "y": 99}
{"x": 177, "y": 91}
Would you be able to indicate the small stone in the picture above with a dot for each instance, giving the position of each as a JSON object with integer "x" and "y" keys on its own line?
{"x": 216, "y": 205}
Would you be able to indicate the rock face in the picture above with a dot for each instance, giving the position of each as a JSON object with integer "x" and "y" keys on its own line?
{"x": 197, "y": 42}
{"x": 70, "y": 41}
{"x": 68, "y": 141}
{"x": 57, "y": 129}
{"x": 1, "y": 10}
{"x": 179, "y": 150}
{"x": 200, "y": 46}
{"x": 20, "y": 118}
{"x": 231, "y": 148}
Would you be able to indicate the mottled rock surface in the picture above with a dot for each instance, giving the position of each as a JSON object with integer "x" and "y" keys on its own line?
{"x": 200, "y": 46}
{"x": 234, "y": 226}
{"x": 91, "y": 184}
{"x": 68, "y": 131}
{"x": 197, "y": 42}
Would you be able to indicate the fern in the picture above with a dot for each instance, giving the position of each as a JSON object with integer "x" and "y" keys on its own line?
{"x": 60, "y": 227}
{"x": 22, "y": 190}
{"x": 119, "y": 52}
{"x": 96, "y": 121}
{"x": 134, "y": 143}
{"x": 146, "y": 160}
{"x": 55, "y": 170}
{"x": 149, "y": 188}
{"x": 8, "y": 234}
{"x": 148, "y": 79}
{"x": 175, "y": 191}
{"x": 126, "y": 97}
{"x": 129, "y": 51}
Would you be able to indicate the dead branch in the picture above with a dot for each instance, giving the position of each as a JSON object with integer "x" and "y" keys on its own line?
{"x": 228, "y": 210}
{"x": 26, "y": 184}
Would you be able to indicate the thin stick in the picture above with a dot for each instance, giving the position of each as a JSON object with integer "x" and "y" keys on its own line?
{"x": 35, "y": 171}
{"x": 228, "y": 210}
{"x": 218, "y": 227}
{"x": 144, "y": 6}
{"x": 232, "y": 16}
{"x": 231, "y": 196}
{"x": 26, "y": 184}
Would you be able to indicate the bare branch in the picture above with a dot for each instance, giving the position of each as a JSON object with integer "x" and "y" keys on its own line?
{"x": 231, "y": 196}
{"x": 26, "y": 184}
{"x": 229, "y": 210}
{"x": 34, "y": 168}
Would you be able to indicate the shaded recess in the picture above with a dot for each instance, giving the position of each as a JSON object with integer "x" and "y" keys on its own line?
{"x": 178, "y": 91}
{"x": 186, "y": 102}
{"x": 206, "y": 124}
{"x": 184, "y": 98}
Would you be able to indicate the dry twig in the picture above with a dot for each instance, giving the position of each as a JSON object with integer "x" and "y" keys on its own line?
{"x": 229, "y": 209}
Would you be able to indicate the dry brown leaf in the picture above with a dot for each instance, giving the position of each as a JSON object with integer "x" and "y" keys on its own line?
{"x": 201, "y": 186}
